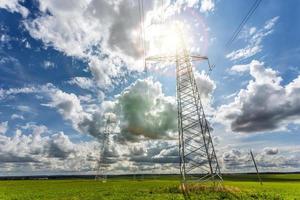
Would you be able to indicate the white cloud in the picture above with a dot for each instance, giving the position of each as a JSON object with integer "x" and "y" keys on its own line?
{"x": 270, "y": 23}
{"x": 27, "y": 45}
{"x": 16, "y": 116}
{"x": 43, "y": 152}
{"x": 267, "y": 159}
{"x": 236, "y": 160}
{"x": 103, "y": 70}
{"x": 207, "y": 6}
{"x": 68, "y": 105}
{"x": 83, "y": 82}
{"x": 14, "y": 91}
{"x": 103, "y": 33}
{"x": 144, "y": 111}
{"x": 91, "y": 30}
{"x": 154, "y": 152}
{"x": 240, "y": 68}
{"x": 254, "y": 38}
{"x": 3, "y": 127}
{"x": 265, "y": 104}
{"x": 205, "y": 85}
{"x": 14, "y": 6}
{"x": 154, "y": 118}
{"x": 252, "y": 30}
{"x": 270, "y": 151}
{"x": 48, "y": 65}
{"x": 246, "y": 52}
{"x": 23, "y": 108}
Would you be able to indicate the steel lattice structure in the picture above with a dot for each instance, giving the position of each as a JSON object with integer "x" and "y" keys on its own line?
{"x": 103, "y": 162}
{"x": 198, "y": 160}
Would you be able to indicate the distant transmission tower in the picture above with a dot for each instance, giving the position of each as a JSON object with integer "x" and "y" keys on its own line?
{"x": 103, "y": 162}
{"x": 198, "y": 160}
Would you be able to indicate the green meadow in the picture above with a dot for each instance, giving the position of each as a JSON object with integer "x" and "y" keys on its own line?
{"x": 275, "y": 186}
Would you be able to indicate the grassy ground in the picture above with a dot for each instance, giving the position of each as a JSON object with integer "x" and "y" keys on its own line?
{"x": 235, "y": 187}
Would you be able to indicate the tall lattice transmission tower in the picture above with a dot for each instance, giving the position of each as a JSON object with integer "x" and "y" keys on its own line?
{"x": 198, "y": 160}
{"x": 103, "y": 162}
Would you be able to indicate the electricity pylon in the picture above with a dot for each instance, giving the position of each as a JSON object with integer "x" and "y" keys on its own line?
{"x": 198, "y": 160}
{"x": 103, "y": 162}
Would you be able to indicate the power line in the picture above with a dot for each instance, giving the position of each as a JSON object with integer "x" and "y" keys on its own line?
{"x": 244, "y": 21}
{"x": 142, "y": 30}
{"x": 258, "y": 176}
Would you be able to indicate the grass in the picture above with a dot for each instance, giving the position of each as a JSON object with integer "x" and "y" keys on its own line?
{"x": 276, "y": 186}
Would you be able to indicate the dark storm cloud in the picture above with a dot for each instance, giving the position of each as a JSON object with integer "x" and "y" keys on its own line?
{"x": 235, "y": 159}
{"x": 265, "y": 105}
{"x": 160, "y": 152}
{"x": 12, "y": 158}
{"x": 270, "y": 151}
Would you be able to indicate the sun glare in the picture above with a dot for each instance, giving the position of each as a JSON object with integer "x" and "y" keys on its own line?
{"x": 165, "y": 39}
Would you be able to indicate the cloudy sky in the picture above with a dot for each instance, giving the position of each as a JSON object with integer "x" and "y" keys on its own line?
{"x": 66, "y": 67}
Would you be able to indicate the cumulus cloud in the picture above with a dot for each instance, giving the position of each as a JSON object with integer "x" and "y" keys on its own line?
{"x": 68, "y": 105}
{"x": 106, "y": 34}
{"x": 254, "y": 39}
{"x": 159, "y": 108}
{"x": 40, "y": 151}
{"x": 144, "y": 111}
{"x": 155, "y": 152}
{"x": 235, "y": 159}
{"x": 104, "y": 70}
{"x": 97, "y": 31}
{"x": 14, "y": 6}
{"x": 206, "y": 87}
{"x": 270, "y": 151}
{"x": 83, "y": 82}
{"x": 88, "y": 119}
{"x": 37, "y": 150}
{"x": 207, "y": 5}
{"x": 267, "y": 159}
{"x": 265, "y": 104}
{"x": 141, "y": 111}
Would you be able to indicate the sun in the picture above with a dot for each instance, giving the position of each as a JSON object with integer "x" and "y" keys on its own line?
{"x": 165, "y": 39}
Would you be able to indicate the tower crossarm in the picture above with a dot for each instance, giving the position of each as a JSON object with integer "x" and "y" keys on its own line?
{"x": 173, "y": 58}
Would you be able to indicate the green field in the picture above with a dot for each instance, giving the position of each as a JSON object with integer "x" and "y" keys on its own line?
{"x": 279, "y": 186}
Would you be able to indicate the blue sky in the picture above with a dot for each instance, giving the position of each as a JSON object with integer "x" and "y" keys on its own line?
{"x": 66, "y": 66}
